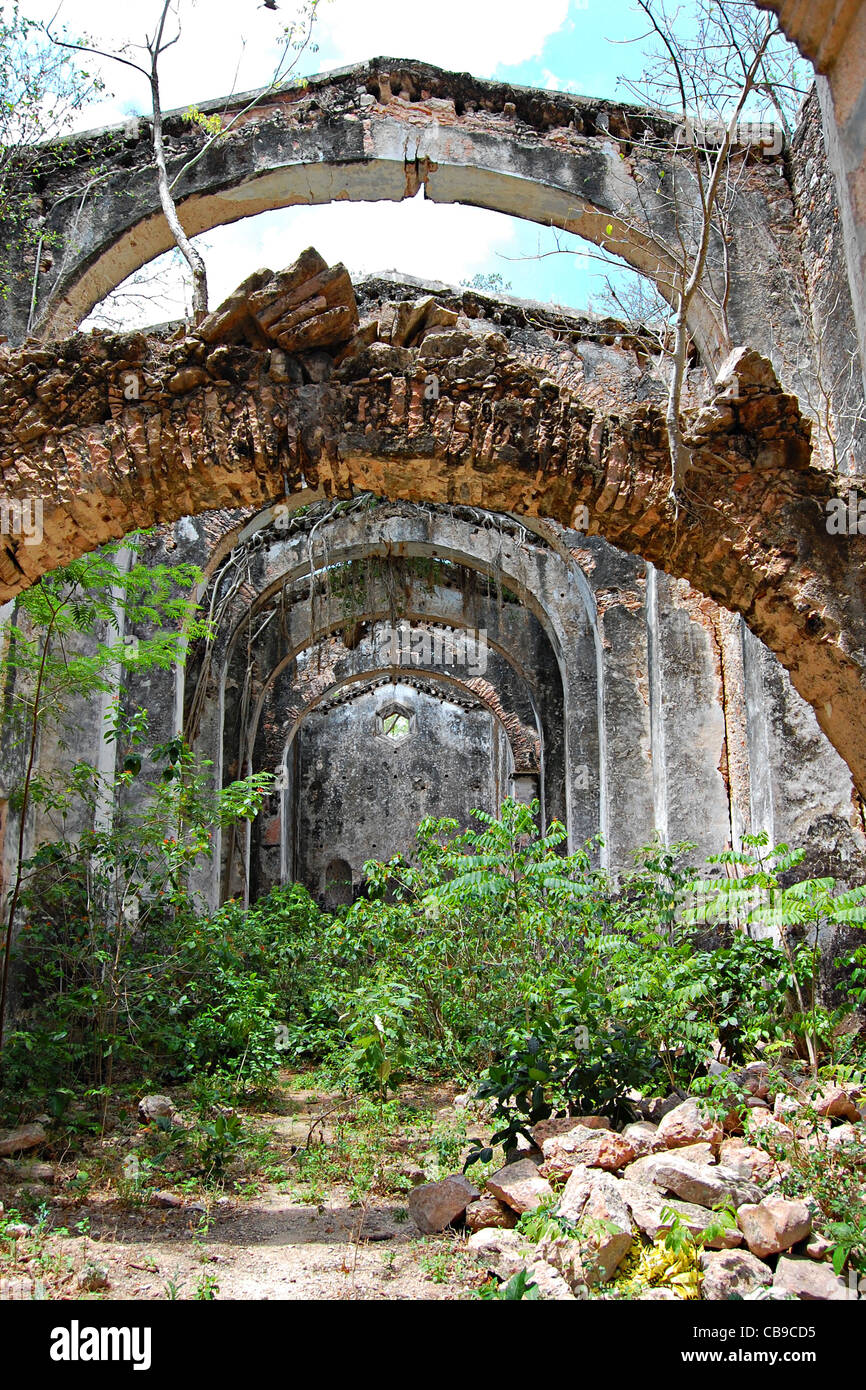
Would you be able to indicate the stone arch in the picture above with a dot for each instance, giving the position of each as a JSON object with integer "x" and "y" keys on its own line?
{"x": 396, "y": 534}
{"x": 539, "y": 578}
{"x": 338, "y": 885}
{"x": 282, "y": 719}
{"x": 216, "y": 430}
{"x": 523, "y": 746}
{"x": 577, "y": 760}
{"x": 383, "y": 131}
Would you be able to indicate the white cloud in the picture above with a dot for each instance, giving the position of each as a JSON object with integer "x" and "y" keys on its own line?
{"x": 473, "y": 35}
{"x": 224, "y": 47}
{"x": 417, "y": 237}
{"x": 228, "y": 47}
{"x": 557, "y": 84}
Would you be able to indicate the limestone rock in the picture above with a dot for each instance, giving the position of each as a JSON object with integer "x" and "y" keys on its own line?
{"x": 727, "y": 1272}
{"x": 808, "y": 1280}
{"x": 434, "y": 1205}
{"x": 686, "y": 1124}
{"x": 643, "y": 1136}
{"x": 787, "y": 1110}
{"x": 25, "y": 1137}
{"x": 564, "y": 1124}
{"x": 767, "y": 1132}
{"x": 596, "y": 1202}
{"x": 493, "y": 1240}
{"x": 704, "y": 1184}
{"x": 232, "y": 321}
{"x": 564, "y": 1254}
{"x": 501, "y": 1251}
{"x": 28, "y": 1169}
{"x": 551, "y": 1285}
{"x": 753, "y": 1079}
{"x": 414, "y": 317}
{"x": 412, "y": 1172}
{"x": 773, "y": 1225}
{"x": 519, "y": 1185}
{"x": 835, "y": 1102}
{"x": 155, "y": 1108}
{"x": 849, "y": 1136}
{"x": 575, "y": 1194}
{"x": 654, "y": 1108}
{"x": 696, "y": 1153}
{"x": 165, "y": 1198}
{"x": 646, "y": 1204}
{"x": 487, "y": 1212}
{"x": 743, "y": 369}
{"x": 444, "y": 343}
{"x": 606, "y": 1229}
{"x": 93, "y": 1276}
{"x": 368, "y": 333}
{"x": 523, "y": 1148}
{"x": 596, "y": 1148}
{"x": 747, "y": 1161}
{"x": 309, "y": 305}
{"x": 818, "y": 1246}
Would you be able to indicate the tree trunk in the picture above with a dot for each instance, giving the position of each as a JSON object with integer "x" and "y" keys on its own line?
{"x": 190, "y": 254}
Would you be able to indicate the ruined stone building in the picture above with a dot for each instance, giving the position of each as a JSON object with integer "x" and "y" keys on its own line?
{"x": 439, "y": 552}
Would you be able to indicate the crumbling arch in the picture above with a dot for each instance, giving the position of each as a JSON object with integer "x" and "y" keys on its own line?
{"x": 488, "y": 552}
{"x": 484, "y": 549}
{"x": 379, "y": 131}
{"x": 473, "y": 691}
{"x": 305, "y": 694}
{"x": 217, "y": 431}
{"x": 338, "y": 884}
{"x": 281, "y": 711}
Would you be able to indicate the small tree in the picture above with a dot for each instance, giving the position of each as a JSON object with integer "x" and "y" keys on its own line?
{"x": 797, "y": 912}
{"x": 706, "y": 69}
{"x": 46, "y": 670}
{"x": 167, "y": 32}
{"x": 41, "y": 89}
{"x": 703, "y": 73}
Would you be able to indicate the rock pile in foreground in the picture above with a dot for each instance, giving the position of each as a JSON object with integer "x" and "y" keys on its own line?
{"x": 612, "y": 1194}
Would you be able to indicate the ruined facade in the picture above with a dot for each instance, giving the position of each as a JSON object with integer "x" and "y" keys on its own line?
{"x": 436, "y": 531}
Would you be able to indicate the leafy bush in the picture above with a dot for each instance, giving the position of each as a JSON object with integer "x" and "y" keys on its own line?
{"x": 493, "y": 957}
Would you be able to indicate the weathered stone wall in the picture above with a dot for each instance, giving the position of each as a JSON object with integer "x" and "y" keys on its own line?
{"x": 381, "y": 131}
{"x": 223, "y": 425}
{"x": 361, "y": 794}
{"x": 701, "y": 734}
{"x": 834, "y": 391}
{"x": 833, "y": 36}
{"x": 677, "y": 719}
{"x": 661, "y": 691}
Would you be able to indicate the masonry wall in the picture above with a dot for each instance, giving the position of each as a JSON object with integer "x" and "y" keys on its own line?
{"x": 360, "y": 794}
{"x": 834, "y": 390}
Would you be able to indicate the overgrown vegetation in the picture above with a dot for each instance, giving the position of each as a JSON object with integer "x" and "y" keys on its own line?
{"x": 493, "y": 960}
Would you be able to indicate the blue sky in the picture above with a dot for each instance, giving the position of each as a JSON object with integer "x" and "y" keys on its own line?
{"x": 573, "y": 45}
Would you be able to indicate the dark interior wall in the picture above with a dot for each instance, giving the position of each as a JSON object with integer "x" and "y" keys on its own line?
{"x": 359, "y": 794}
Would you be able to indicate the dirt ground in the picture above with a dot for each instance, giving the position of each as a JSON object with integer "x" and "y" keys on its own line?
{"x": 268, "y": 1248}
{"x": 315, "y": 1215}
